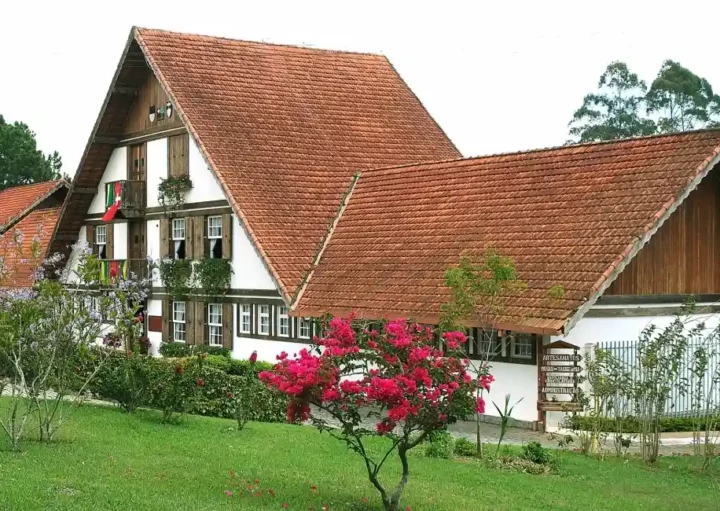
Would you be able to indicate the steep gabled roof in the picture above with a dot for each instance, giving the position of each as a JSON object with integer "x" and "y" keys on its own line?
{"x": 569, "y": 216}
{"x": 284, "y": 129}
{"x": 19, "y": 200}
{"x": 22, "y": 254}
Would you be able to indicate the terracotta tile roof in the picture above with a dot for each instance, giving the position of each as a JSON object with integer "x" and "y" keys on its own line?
{"x": 19, "y": 260}
{"x": 285, "y": 129}
{"x": 568, "y": 216}
{"x": 17, "y": 200}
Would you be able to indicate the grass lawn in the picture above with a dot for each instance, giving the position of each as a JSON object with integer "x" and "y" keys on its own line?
{"x": 106, "y": 459}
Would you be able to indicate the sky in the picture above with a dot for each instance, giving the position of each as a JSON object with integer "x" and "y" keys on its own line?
{"x": 497, "y": 76}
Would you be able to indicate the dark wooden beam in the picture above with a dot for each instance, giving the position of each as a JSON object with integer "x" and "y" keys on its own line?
{"x": 84, "y": 190}
{"x": 106, "y": 140}
{"x": 128, "y": 91}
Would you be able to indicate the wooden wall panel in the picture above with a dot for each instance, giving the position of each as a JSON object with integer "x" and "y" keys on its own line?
{"x": 149, "y": 94}
{"x": 684, "y": 255}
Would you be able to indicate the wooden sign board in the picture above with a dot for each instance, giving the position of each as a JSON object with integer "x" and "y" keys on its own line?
{"x": 559, "y": 374}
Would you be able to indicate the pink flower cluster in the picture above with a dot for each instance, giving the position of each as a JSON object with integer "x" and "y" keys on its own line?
{"x": 401, "y": 371}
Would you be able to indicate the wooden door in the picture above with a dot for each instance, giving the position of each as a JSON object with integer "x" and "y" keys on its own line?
{"x": 137, "y": 162}
{"x": 136, "y": 240}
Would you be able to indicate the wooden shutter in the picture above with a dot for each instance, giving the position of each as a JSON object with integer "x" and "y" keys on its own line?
{"x": 227, "y": 320}
{"x": 227, "y": 236}
{"x": 200, "y": 323}
{"x": 190, "y": 323}
{"x": 90, "y": 236}
{"x": 166, "y": 319}
{"x": 189, "y": 241}
{"x": 198, "y": 231}
{"x": 178, "y": 155}
{"x": 110, "y": 241}
{"x": 164, "y": 238}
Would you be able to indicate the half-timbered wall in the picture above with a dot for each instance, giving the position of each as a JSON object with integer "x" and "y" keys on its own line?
{"x": 683, "y": 257}
{"x": 149, "y": 94}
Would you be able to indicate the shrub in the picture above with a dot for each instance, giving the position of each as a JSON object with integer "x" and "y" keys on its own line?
{"x": 464, "y": 447}
{"x": 125, "y": 379}
{"x": 630, "y": 424}
{"x": 181, "y": 350}
{"x": 440, "y": 445}
{"x": 533, "y": 451}
{"x": 173, "y": 388}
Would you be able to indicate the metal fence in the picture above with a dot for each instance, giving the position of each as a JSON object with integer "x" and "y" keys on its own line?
{"x": 679, "y": 402}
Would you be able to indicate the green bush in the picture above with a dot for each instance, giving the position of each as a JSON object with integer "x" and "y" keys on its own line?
{"x": 533, "y": 451}
{"x": 182, "y": 350}
{"x": 629, "y": 424}
{"x": 125, "y": 380}
{"x": 440, "y": 445}
{"x": 464, "y": 447}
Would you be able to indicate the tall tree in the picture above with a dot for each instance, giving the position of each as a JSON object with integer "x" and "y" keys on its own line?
{"x": 682, "y": 100}
{"x": 614, "y": 110}
{"x": 21, "y": 162}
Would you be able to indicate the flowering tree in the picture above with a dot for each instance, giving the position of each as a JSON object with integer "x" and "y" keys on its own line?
{"x": 395, "y": 383}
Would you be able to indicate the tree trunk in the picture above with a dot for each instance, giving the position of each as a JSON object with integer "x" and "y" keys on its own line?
{"x": 392, "y": 502}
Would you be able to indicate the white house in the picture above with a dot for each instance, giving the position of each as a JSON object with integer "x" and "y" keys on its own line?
{"x": 311, "y": 177}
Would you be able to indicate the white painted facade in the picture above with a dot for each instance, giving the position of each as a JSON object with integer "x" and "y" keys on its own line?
{"x": 116, "y": 170}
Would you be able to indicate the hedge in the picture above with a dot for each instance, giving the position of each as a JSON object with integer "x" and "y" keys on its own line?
{"x": 632, "y": 424}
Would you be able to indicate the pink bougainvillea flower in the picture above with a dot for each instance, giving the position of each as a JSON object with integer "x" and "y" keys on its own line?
{"x": 285, "y": 505}
{"x": 200, "y": 382}
{"x": 480, "y": 405}
{"x": 228, "y": 493}
{"x": 365, "y": 500}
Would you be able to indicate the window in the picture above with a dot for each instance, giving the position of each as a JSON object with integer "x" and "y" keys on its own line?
{"x": 178, "y": 321}
{"x": 214, "y": 226}
{"x": 486, "y": 343}
{"x": 101, "y": 241}
{"x": 215, "y": 324}
{"x": 522, "y": 346}
{"x": 264, "y": 323}
{"x": 178, "y": 238}
{"x": 304, "y": 328}
{"x": 283, "y": 322}
{"x": 244, "y": 318}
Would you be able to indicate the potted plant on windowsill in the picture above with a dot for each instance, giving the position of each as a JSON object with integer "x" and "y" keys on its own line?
{"x": 213, "y": 275}
{"x": 172, "y": 190}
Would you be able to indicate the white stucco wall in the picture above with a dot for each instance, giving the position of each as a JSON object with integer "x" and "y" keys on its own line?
{"x": 152, "y": 237}
{"x": 205, "y": 185}
{"x": 518, "y": 380}
{"x": 249, "y": 271}
{"x": 120, "y": 240}
{"x": 157, "y": 167}
{"x": 116, "y": 169}
{"x": 154, "y": 308}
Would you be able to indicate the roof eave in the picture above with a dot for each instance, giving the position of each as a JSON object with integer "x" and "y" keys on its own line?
{"x": 627, "y": 255}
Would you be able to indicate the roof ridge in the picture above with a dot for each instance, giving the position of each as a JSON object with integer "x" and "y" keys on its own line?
{"x": 548, "y": 148}
{"x": 259, "y": 43}
{"x": 55, "y": 181}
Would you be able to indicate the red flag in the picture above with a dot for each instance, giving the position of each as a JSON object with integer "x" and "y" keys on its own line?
{"x": 112, "y": 210}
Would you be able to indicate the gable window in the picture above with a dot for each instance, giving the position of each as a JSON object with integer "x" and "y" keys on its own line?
{"x": 214, "y": 229}
{"x": 215, "y": 324}
{"x": 283, "y": 322}
{"x": 304, "y": 328}
{"x": 521, "y": 346}
{"x": 101, "y": 241}
{"x": 178, "y": 321}
{"x": 264, "y": 319}
{"x": 178, "y": 238}
{"x": 244, "y": 318}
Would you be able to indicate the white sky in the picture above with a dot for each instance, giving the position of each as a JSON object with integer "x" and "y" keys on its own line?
{"x": 497, "y": 76}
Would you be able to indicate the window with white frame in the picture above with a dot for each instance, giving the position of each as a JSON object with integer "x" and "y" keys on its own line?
{"x": 178, "y": 321}
{"x": 264, "y": 319}
{"x": 522, "y": 346}
{"x": 215, "y": 324}
{"x": 283, "y": 322}
{"x": 101, "y": 241}
{"x": 178, "y": 238}
{"x": 214, "y": 229}
{"x": 245, "y": 321}
{"x": 304, "y": 328}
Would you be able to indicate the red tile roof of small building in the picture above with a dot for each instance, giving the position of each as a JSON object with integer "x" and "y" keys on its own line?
{"x": 569, "y": 216}
{"x": 285, "y": 128}
{"x": 21, "y": 255}
{"x": 17, "y": 200}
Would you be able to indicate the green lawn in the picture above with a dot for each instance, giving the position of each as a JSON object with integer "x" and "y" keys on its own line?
{"x": 106, "y": 459}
